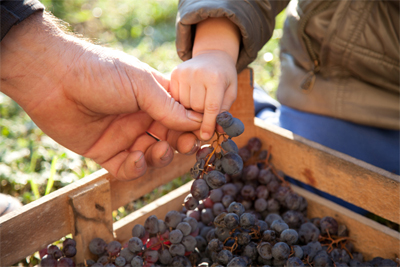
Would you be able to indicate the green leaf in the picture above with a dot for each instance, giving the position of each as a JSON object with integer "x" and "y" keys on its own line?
{"x": 50, "y": 182}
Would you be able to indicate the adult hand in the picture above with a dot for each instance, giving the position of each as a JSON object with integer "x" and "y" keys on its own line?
{"x": 93, "y": 100}
{"x": 207, "y": 83}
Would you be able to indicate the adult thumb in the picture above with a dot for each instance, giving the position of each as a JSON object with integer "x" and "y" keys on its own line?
{"x": 158, "y": 103}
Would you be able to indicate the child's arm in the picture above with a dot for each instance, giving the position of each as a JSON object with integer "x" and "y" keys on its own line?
{"x": 208, "y": 82}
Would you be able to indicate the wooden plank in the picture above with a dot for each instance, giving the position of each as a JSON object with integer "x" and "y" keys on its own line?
{"x": 243, "y": 107}
{"x": 91, "y": 216}
{"x": 159, "y": 207}
{"x": 123, "y": 192}
{"x": 37, "y": 224}
{"x": 370, "y": 238}
{"x": 345, "y": 177}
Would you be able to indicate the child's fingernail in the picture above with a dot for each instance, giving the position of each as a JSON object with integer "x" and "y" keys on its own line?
{"x": 194, "y": 116}
{"x": 139, "y": 163}
{"x": 195, "y": 147}
{"x": 166, "y": 154}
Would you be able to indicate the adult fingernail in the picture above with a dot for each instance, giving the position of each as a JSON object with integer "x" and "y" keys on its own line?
{"x": 139, "y": 163}
{"x": 195, "y": 147}
{"x": 204, "y": 136}
{"x": 166, "y": 154}
{"x": 194, "y": 116}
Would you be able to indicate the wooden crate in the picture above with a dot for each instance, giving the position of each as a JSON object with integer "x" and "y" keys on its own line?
{"x": 85, "y": 207}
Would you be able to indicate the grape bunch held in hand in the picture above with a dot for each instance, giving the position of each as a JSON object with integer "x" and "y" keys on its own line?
{"x": 211, "y": 166}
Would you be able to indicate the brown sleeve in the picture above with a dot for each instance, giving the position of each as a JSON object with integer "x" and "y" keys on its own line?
{"x": 254, "y": 18}
{"x": 13, "y": 12}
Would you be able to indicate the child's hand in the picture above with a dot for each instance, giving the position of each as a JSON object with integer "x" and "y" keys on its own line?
{"x": 206, "y": 83}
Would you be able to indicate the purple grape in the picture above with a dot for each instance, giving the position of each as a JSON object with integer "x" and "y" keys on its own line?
{"x": 269, "y": 236}
{"x": 185, "y": 228}
{"x": 217, "y": 194}
{"x": 137, "y": 261}
{"x": 120, "y": 261}
{"x": 229, "y": 146}
{"x": 103, "y": 259}
{"x": 173, "y": 218}
{"x": 232, "y": 163}
{"x": 127, "y": 254}
{"x": 293, "y": 218}
{"x": 89, "y": 262}
{"x": 340, "y": 255}
{"x": 278, "y": 226}
{"x": 237, "y": 262}
{"x": 162, "y": 227}
{"x": 197, "y": 169}
{"x": 247, "y": 204}
{"x": 201, "y": 243}
{"x": 263, "y": 225}
{"x": 151, "y": 224}
{"x": 211, "y": 235}
{"x": 180, "y": 261}
{"x": 69, "y": 251}
{"x": 192, "y": 222}
{"x": 189, "y": 242}
{"x": 273, "y": 205}
{"x": 199, "y": 189}
{"x": 175, "y": 236}
{"x": 190, "y": 202}
{"x": 282, "y": 193}
{"x": 311, "y": 249}
{"x": 231, "y": 220}
{"x": 322, "y": 259}
{"x": 227, "y": 200}
{"x": 281, "y": 251}
{"x": 329, "y": 224}
{"x": 289, "y": 236}
{"x": 273, "y": 186}
{"x": 69, "y": 242}
{"x": 224, "y": 257}
{"x": 236, "y": 208}
{"x": 224, "y": 119}
{"x": 97, "y": 246}
{"x": 204, "y": 152}
{"x": 260, "y": 204}
{"x": 235, "y": 129}
{"x": 298, "y": 251}
{"x": 272, "y": 217}
{"x": 48, "y": 261}
{"x": 229, "y": 189}
{"x": 151, "y": 256}
{"x": 218, "y": 208}
{"x": 177, "y": 250}
{"x": 251, "y": 172}
{"x": 262, "y": 192}
{"x": 222, "y": 233}
{"x": 113, "y": 248}
{"x": 244, "y": 153}
{"x": 250, "y": 251}
{"x": 135, "y": 244}
{"x": 295, "y": 262}
{"x": 308, "y": 232}
{"x": 215, "y": 245}
{"x": 215, "y": 179}
{"x": 243, "y": 238}
{"x": 265, "y": 250}
{"x": 265, "y": 176}
{"x": 254, "y": 144}
{"x": 207, "y": 216}
{"x": 165, "y": 257}
{"x": 65, "y": 262}
{"x": 247, "y": 220}
{"x": 248, "y": 192}
{"x": 263, "y": 155}
{"x": 138, "y": 231}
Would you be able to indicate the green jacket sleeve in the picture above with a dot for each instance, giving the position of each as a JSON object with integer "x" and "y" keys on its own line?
{"x": 254, "y": 18}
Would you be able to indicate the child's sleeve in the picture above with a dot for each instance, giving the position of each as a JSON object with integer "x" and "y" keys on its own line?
{"x": 255, "y": 20}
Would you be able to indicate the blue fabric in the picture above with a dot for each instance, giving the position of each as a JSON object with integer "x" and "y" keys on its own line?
{"x": 379, "y": 147}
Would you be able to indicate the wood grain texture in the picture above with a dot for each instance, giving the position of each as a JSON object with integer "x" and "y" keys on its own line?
{"x": 124, "y": 192}
{"x": 159, "y": 207}
{"x": 338, "y": 174}
{"x": 91, "y": 216}
{"x": 37, "y": 224}
{"x": 370, "y": 238}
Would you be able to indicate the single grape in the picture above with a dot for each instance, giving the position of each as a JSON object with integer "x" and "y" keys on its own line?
{"x": 229, "y": 189}
{"x": 207, "y": 216}
{"x": 197, "y": 169}
{"x": 227, "y": 200}
{"x": 199, "y": 189}
{"x": 269, "y": 235}
{"x": 235, "y": 129}
{"x": 260, "y": 204}
{"x": 247, "y": 220}
{"x": 289, "y": 236}
{"x": 65, "y": 262}
{"x": 232, "y": 163}
{"x": 69, "y": 242}
{"x": 250, "y": 251}
{"x": 328, "y": 224}
{"x": 162, "y": 227}
{"x": 263, "y": 155}
{"x": 211, "y": 235}
{"x": 278, "y": 226}
{"x": 175, "y": 236}
{"x": 254, "y": 144}
{"x": 120, "y": 261}
{"x": 224, "y": 257}
{"x": 189, "y": 242}
{"x": 229, "y": 145}
{"x": 294, "y": 262}
{"x": 243, "y": 238}
{"x": 265, "y": 176}
{"x": 172, "y": 218}
{"x": 311, "y": 249}
{"x": 69, "y": 251}
{"x": 137, "y": 261}
{"x": 54, "y": 251}
{"x": 265, "y": 250}
{"x": 281, "y": 251}
{"x": 113, "y": 248}
{"x": 48, "y": 261}
{"x": 216, "y": 194}
{"x": 273, "y": 205}
{"x": 272, "y": 217}
{"x": 236, "y": 208}
{"x": 135, "y": 244}
{"x": 190, "y": 202}
{"x": 165, "y": 257}
{"x": 308, "y": 232}
{"x": 298, "y": 251}
{"x": 244, "y": 153}
{"x": 127, "y": 254}
{"x": 250, "y": 172}
{"x": 185, "y": 228}
{"x": 151, "y": 256}
{"x": 293, "y": 218}
{"x": 204, "y": 152}
{"x": 201, "y": 243}
{"x": 224, "y": 119}
{"x": 177, "y": 250}
{"x": 263, "y": 225}
{"x": 222, "y": 233}
{"x": 138, "y": 231}
{"x": 195, "y": 214}
{"x": 97, "y": 246}
{"x": 103, "y": 259}
{"x": 151, "y": 224}
{"x": 215, "y": 245}
{"x": 322, "y": 259}
{"x": 192, "y": 222}
{"x": 231, "y": 220}
{"x": 215, "y": 179}
{"x": 218, "y": 208}
{"x": 262, "y": 192}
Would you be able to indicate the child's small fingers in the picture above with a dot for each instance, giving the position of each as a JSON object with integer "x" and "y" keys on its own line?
{"x": 197, "y": 97}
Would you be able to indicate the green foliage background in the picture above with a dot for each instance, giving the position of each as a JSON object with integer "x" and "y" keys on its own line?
{"x": 145, "y": 29}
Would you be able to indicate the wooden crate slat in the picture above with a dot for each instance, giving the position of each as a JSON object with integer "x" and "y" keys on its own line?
{"x": 159, "y": 207}
{"x": 41, "y": 222}
{"x": 123, "y": 192}
{"x": 350, "y": 179}
{"x": 91, "y": 216}
{"x": 370, "y": 238}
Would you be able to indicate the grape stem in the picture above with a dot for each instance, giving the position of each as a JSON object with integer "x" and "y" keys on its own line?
{"x": 334, "y": 240}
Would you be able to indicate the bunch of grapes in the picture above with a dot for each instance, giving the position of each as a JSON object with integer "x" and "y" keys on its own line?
{"x": 159, "y": 242}
{"x": 53, "y": 256}
{"x": 211, "y": 167}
